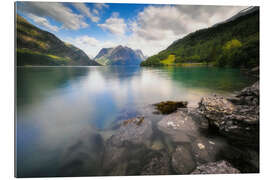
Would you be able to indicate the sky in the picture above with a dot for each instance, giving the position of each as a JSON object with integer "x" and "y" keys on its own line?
{"x": 93, "y": 26}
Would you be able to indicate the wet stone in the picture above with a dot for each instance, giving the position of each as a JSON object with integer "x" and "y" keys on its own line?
{"x": 220, "y": 167}
{"x": 179, "y": 126}
{"x": 136, "y": 130}
{"x": 240, "y": 123}
{"x": 159, "y": 164}
{"x": 205, "y": 150}
{"x": 127, "y": 146}
{"x": 82, "y": 157}
{"x": 182, "y": 161}
{"x": 157, "y": 145}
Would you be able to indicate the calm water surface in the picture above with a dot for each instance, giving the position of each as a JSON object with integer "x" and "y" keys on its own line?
{"x": 59, "y": 106}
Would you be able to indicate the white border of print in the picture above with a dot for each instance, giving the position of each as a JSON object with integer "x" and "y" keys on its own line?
{"x": 7, "y": 88}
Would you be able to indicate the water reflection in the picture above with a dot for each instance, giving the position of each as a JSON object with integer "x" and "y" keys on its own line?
{"x": 63, "y": 111}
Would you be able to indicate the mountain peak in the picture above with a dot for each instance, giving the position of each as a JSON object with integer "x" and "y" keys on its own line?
{"x": 119, "y": 46}
{"x": 119, "y": 55}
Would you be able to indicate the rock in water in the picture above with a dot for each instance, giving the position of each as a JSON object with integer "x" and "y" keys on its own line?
{"x": 179, "y": 126}
{"x": 136, "y": 130}
{"x": 159, "y": 164}
{"x": 216, "y": 109}
{"x": 250, "y": 95}
{"x": 239, "y": 121}
{"x": 205, "y": 150}
{"x": 182, "y": 161}
{"x": 82, "y": 157}
{"x": 220, "y": 167}
{"x": 127, "y": 147}
{"x": 168, "y": 107}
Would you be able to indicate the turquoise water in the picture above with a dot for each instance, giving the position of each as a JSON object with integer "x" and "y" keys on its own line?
{"x": 57, "y": 106}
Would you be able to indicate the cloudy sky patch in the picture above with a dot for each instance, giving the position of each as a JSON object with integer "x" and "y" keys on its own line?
{"x": 150, "y": 28}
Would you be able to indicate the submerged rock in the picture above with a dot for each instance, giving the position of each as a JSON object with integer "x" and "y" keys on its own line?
{"x": 127, "y": 146}
{"x": 220, "y": 167}
{"x": 243, "y": 158}
{"x": 179, "y": 126}
{"x": 205, "y": 150}
{"x": 136, "y": 130}
{"x": 157, "y": 145}
{"x": 138, "y": 121}
{"x": 82, "y": 157}
{"x": 159, "y": 164}
{"x": 168, "y": 107}
{"x": 129, "y": 151}
{"x": 182, "y": 161}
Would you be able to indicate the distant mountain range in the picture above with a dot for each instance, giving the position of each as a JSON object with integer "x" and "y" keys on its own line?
{"x": 120, "y": 55}
{"x": 231, "y": 43}
{"x": 41, "y": 48}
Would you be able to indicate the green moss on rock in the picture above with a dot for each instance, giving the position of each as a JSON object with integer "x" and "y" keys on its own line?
{"x": 168, "y": 107}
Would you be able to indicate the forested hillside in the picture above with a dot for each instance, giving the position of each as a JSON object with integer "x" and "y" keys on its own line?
{"x": 38, "y": 47}
{"x": 230, "y": 44}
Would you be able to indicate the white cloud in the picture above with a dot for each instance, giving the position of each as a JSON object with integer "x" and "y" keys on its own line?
{"x": 86, "y": 11}
{"x": 41, "y": 21}
{"x": 156, "y": 27}
{"x": 115, "y": 25}
{"x": 95, "y": 11}
{"x": 98, "y": 7}
{"x": 90, "y": 45}
{"x": 101, "y": 5}
{"x": 56, "y": 11}
{"x": 86, "y": 40}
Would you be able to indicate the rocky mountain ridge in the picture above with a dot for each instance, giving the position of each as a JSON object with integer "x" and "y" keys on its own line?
{"x": 119, "y": 55}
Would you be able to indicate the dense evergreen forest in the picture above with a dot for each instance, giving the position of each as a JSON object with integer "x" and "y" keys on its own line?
{"x": 230, "y": 44}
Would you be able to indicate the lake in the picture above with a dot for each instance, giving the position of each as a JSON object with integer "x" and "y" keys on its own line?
{"x": 58, "y": 107}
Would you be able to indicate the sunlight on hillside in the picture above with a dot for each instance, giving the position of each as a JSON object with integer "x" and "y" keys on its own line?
{"x": 169, "y": 61}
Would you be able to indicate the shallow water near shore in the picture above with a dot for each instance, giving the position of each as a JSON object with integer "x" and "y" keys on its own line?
{"x": 67, "y": 113}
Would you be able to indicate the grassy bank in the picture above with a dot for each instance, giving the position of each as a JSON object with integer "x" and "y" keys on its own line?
{"x": 27, "y": 57}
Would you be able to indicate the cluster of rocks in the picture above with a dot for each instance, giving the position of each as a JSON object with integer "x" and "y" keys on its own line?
{"x": 236, "y": 118}
{"x": 220, "y": 167}
{"x": 133, "y": 149}
{"x": 191, "y": 148}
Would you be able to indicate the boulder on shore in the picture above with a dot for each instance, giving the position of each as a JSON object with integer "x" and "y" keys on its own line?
{"x": 239, "y": 120}
{"x": 250, "y": 95}
{"x": 220, "y": 167}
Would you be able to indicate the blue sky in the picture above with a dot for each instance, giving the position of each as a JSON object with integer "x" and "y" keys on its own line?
{"x": 151, "y": 28}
